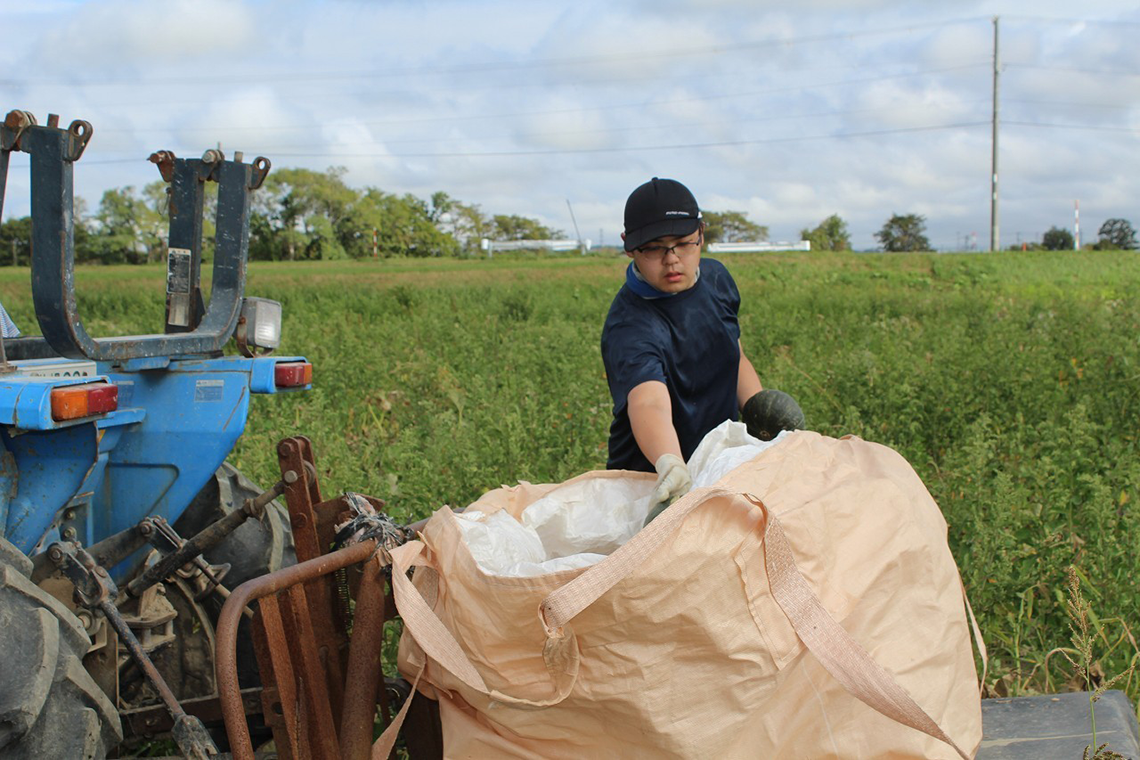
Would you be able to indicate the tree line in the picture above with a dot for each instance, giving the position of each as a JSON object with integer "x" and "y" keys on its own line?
{"x": 300, "y": 214}
{"x": 907, "y": 232}
{"x": 297, "y": 215}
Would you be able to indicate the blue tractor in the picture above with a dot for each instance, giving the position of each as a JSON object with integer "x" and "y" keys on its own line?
{"x": 121, "y": 526}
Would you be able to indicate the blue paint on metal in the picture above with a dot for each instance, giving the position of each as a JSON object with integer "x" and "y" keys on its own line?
{"x": 145, "y": 362}
{"x": 263, "y": 377}
{"x": 195, "y": 411}
{"x": 52, "y": 464}
{"x": 8, "y": 479}
{"x": 173, "y": 428}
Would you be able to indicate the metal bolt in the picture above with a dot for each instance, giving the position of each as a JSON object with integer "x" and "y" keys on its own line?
{"x": 56, "y": 553}
{"x": 290, "y": 477}
{"x": 69, "y": 514}
{"x": 17, "y": 120}
{"x": 68, "y": 534}
{"x": 238, "y": 156}
{"x": 146, "y": 527}
{"x": 282, "y": 448}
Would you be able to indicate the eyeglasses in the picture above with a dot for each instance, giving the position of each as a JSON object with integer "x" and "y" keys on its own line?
{"x": 683, "y": 248}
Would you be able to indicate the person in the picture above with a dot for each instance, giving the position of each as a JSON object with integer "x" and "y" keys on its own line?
{"x": 671, "y": 345}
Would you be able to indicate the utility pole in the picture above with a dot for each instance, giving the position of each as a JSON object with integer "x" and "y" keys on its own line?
{"x": 995, "y": 233}
{"x": 1077, "y": 226}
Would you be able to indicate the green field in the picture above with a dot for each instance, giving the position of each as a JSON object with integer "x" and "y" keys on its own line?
{"x": 1011, "y": 382}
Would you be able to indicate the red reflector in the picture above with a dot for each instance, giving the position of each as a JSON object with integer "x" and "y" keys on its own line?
{"x": 292, "y": 374}
{"x": 74, "y": 401}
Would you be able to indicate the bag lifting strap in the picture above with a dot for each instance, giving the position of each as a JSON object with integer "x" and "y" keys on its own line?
{"x": 840, "y": 654}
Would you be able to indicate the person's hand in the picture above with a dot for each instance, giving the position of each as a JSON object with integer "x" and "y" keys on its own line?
{"x": 673, "y": 482}
{"x": 769, "y": 412}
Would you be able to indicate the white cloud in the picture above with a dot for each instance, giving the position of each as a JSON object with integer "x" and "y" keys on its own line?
{"x": 134, "y": 34}
{"x": 417, "y": 97}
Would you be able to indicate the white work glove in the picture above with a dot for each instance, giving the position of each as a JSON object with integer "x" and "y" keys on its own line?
{"x": 673, "y": 482}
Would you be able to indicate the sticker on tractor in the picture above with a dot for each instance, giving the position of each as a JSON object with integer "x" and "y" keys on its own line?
{"x": 179, "y": 278}
{"x": 62, "y": 368}
{"x": 208, "y": 390}
{"x": 178, "y": 271}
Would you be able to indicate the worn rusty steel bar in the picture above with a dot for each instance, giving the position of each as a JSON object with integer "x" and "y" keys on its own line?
{"x": 114, "y": 549}
{"x": 305, "y": 447}
{"x": 312, "y": 535}
{"x": 4, "y": 154}
{"x": 226, "y": 632}
{"x": 207, "y": 539}
{"x": 363, "y": 666}
{"x": 287, "y": 707}
{"x": 322, "y": 727}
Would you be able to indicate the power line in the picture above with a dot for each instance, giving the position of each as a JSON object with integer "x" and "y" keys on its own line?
{"x": 627, "y": 149}
{"x": 211, "y": 98}
{"x": 1092, "y": 127}
{"x": 1074, "y": 70}
{"x": 1069, "y": 104}
{"x": 476, "y": 67}
{"x": 615, "y": 130}
{"x": 1062, "y": 20}
{"x": 631, "y": 149}
{"x": 591, "y": 109}
{"x": 654, "y": 127}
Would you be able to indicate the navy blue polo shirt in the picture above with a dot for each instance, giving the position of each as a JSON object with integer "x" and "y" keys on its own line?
{"x": 690, "y": 342}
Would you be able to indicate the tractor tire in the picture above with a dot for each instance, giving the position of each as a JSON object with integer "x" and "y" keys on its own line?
{"x": 49, "y": 705}
{"x": 254, "y": 549}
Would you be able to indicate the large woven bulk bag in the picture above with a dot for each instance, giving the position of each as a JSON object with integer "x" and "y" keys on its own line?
{"x": 805, "y": 606}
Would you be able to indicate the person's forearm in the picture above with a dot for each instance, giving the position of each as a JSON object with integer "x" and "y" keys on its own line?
{"x": 651, "y": 418}
{"x": 747, "y": 381}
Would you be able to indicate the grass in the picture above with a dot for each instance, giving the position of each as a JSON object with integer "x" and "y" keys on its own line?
{"x": 1011, "y": 382}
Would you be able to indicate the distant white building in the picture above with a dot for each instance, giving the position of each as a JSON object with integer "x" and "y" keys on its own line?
{"x": 490, "y": 246}
{"x": 759, "y": 247}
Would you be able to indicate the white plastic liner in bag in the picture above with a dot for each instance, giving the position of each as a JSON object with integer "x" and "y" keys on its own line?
{"x": 580, "y": 523}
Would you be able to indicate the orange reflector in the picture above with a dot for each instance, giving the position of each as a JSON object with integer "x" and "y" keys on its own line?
{"x": 292, "y": 374}
{"x": 74, "y": 401}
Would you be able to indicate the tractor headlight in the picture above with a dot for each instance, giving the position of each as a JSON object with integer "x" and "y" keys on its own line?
{"x": 262, "y": 321}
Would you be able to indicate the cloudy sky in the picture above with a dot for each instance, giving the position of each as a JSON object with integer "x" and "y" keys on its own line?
{"x": 788, "y": 111}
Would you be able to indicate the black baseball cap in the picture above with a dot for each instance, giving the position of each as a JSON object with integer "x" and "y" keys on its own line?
{"x": 658, "y": 208}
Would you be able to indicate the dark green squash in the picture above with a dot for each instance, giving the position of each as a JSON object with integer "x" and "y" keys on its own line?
{"x": 770, "y": 411}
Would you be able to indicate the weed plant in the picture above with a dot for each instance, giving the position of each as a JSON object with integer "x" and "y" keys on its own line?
{"x": 1011, "y": 382}
{"x": 1080, "y": 657}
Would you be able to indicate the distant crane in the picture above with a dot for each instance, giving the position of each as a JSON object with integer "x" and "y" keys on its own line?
{"x": 577, "y": 234}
